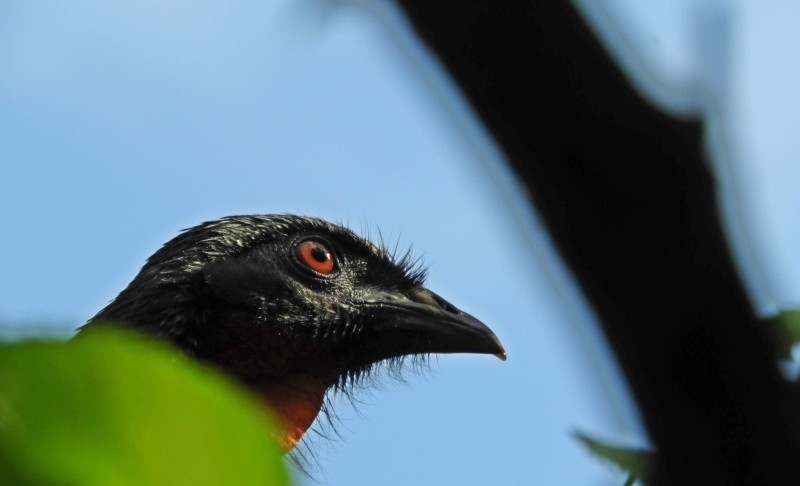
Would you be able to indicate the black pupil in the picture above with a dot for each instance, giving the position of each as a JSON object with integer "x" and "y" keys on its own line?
{"x": 319, "y": 254}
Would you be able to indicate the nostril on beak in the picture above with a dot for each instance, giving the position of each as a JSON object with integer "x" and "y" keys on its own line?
{"x": 424, "y": 296}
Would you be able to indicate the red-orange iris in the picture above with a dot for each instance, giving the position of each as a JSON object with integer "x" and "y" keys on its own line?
{"x": 315, "y": 256}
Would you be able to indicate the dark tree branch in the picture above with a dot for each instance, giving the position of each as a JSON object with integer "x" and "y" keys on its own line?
{"x": 630, "y": 202}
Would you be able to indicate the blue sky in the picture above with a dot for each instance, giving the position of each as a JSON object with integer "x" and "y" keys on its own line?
{"x": 122, "y": 123}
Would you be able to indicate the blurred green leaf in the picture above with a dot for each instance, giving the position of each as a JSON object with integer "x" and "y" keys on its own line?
{"x": 787, "y": 326}
{"x": 111, "y": 408}
{"x": 638, "y": 464}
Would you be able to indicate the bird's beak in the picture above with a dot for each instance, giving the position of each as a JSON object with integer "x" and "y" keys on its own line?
{"x": 423, "y": 322}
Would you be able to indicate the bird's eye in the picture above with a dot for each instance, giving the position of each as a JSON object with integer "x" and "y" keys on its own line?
{"x": 316, "y": 256}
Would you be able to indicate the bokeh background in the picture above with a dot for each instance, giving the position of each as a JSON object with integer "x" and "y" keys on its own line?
{"x": 123, "y": 122}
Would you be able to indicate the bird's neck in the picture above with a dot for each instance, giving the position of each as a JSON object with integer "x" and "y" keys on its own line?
{"x": 286, "y": 374}
{"x": 295, "y": 404}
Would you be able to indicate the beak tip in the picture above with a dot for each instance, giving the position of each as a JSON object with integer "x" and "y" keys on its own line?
{"x": 501, "y": 351}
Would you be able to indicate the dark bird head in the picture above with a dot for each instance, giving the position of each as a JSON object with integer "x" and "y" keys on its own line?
{"x": 291, "y": 306}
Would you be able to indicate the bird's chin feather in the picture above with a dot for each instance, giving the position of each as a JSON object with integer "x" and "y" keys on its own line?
{"x": 353, "y": 385}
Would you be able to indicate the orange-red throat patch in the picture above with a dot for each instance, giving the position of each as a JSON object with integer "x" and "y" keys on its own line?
{"x": 295, "y": 404}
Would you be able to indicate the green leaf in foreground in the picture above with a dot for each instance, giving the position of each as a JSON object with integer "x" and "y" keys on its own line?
{"x": 111, "y": 408}
{"x": 638, "y": 464}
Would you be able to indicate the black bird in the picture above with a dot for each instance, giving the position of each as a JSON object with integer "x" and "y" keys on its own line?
{"x": 291, "y": 306}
